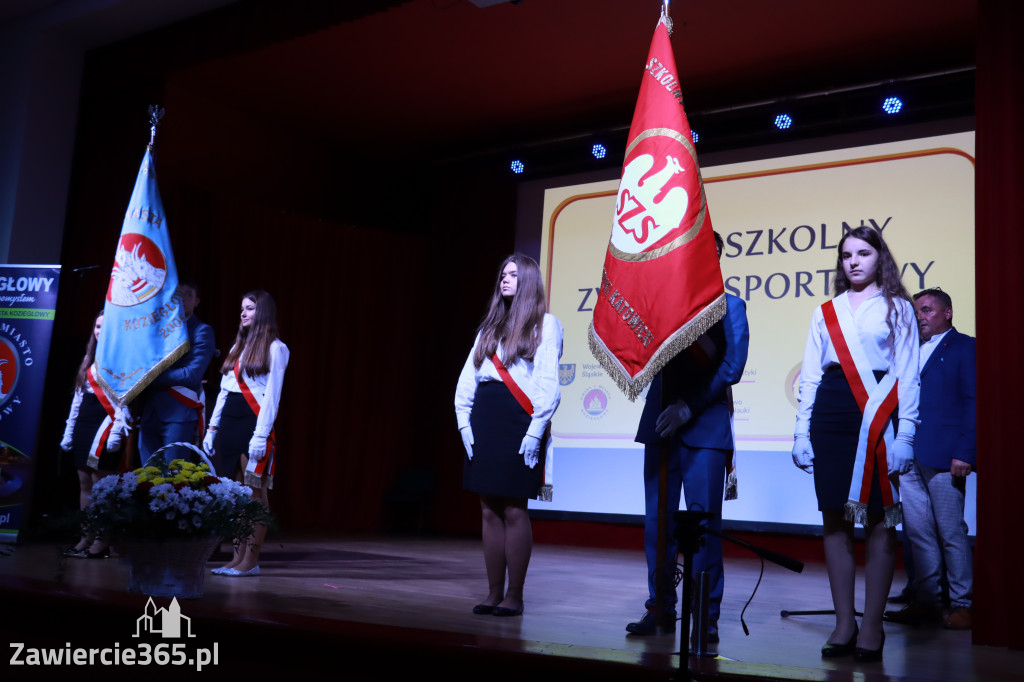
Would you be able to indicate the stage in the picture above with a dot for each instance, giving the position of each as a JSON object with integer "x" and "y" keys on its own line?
{"x": 385, "y": 608}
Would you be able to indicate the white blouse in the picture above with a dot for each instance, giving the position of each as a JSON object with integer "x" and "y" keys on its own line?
{"x": 538, "y": 379}
{"x": 121, "y": 415}
{"x": 897, "y": 353}
{"x": 266, "y": 388}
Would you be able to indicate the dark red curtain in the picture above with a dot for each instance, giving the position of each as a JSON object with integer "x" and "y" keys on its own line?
{"x": 999, "y": 555}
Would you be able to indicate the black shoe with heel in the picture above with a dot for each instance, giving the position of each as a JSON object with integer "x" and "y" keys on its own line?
{"x": 869, "y": 655}
{"x": 843, "y": 649}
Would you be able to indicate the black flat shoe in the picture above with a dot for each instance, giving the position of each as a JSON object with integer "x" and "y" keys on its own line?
{"x": 869, "y": 655}
{"x": 72, "y": 553}
{"x": 103, "y": 554}
{"x": 505, "y": 612}
{"x": 840, "y": 650}
{"x": 483, "y": 609}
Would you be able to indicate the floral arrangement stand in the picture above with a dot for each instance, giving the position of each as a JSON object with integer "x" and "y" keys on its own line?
{"x": 168, "y": 517}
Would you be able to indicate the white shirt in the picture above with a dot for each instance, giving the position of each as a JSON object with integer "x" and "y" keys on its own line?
{"x": 898, "y": 354}
{"x": 538, "y": 379}
{"x": 266, "y": 388}
{"x": 929, "y": 346}
{"x": 121, "y": 415}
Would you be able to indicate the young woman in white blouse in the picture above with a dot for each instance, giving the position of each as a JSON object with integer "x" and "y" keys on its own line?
{"x": 507, "y": 393}
{"x": 859, "y": 388}
{"x": 241, "y": 430}
{"x": 93, "y": 433}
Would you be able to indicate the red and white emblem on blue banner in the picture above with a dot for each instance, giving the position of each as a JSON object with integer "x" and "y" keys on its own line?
{"x": 144, "y": 329}
{"x": 139, "y": 271}
{"x": 661, "y": 287}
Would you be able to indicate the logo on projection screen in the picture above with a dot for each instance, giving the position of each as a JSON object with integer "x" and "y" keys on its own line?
{"x": 595, "y": 403}
{"x": 652, "y": 198}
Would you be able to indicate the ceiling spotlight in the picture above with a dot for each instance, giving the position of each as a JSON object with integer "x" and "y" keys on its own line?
{"x": 695, "y": 136}
{"x": 892, "y": 105}
{"x": 599, "y": 151}
{"x": 517, "y": 167}
{"x": 783, "y": 121}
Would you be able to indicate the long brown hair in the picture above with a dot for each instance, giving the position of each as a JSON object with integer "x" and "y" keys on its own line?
{"x": 887, "y": 274}
{"x": 515, "y": 324}
{"x": 90, "y": 355}
{"x": 257, "y": 336}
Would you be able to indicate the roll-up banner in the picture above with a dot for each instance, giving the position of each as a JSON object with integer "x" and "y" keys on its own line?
{"x": 28, "y": 301}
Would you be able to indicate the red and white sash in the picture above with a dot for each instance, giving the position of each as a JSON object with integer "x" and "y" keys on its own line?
{"x": 547, "y": 487}
{"x": 877, "y": 401}
{"x": 99, "y": 441}
{"x": 255, "y": 471}
{"x": 197, "y": 401}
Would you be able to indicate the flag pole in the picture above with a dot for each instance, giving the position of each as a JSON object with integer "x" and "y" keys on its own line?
{"x": 664, "y": 577}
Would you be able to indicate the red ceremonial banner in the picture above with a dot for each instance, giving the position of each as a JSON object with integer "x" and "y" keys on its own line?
{"x": 661, "y": 287}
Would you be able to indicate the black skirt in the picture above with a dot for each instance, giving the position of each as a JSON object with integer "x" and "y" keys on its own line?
{"x": 499, "y": 424}
{"x": 237, "y": 423}
{"x": 90, "y": 416}
{"x": 834, "y": 432}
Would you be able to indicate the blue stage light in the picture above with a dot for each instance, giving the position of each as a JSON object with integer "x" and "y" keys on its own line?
{"x": 695, "y": 136}
{"x": 892, "y": 105}
{"x": 783, "y": 121}
{"x": 517, "y": 167}
{"x": 599, "y": 151}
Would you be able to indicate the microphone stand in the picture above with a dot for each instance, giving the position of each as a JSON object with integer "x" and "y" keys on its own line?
{"x": 689, "y": 533}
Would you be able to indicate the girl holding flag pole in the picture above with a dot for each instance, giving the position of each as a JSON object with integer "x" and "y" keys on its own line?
{"x": 95, "y": 427}
{"x": 242, "y": 424}
{"x": 859, "y": 387}
{"x": 506, "y": 395}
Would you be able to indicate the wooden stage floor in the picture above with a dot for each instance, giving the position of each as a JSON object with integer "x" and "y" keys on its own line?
{"x": 406, "y": 603}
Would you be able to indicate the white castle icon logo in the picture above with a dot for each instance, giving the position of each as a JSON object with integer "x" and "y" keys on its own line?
{"x": 134, "y": 279}
{"x": 650, "y": 204}
{"x": 166, "y": 622}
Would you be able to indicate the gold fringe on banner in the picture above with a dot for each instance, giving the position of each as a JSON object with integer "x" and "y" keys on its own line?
{"x": 675, "y": 344}
{"x": 146, "y": 379}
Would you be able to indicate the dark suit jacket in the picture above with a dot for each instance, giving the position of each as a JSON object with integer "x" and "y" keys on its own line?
{"x": 702, "y": 385}
{"x": 188, "y": 371}
{"x": 948, "y": 391}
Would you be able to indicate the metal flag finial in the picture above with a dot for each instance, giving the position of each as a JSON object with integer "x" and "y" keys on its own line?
{"x": 156, "y": 112}
{"x": 665, "y": 15}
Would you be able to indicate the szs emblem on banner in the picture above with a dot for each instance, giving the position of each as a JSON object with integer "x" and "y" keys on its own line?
{"x": 661, "y": 287}
{"x": 144, "y": 329}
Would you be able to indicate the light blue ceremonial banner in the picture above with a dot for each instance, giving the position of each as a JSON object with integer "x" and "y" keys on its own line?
{"x": 143, "y": 323}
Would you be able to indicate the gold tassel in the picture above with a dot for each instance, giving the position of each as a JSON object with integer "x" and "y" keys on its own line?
{"x": 546, "y": 493}
{"x": 856, "y": 512}
{"x": 894, "y": 515}
{"x": 732, "y": 486}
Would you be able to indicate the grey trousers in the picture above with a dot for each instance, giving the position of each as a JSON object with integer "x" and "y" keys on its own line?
{"x": 933, "y": 518}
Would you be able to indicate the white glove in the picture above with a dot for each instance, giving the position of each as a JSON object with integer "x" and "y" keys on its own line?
{"x": 257, "y": 447}
{"x": 114, "y": 441}
{"x": 901, "y": 458}
{"x": 65, "y": 443}
{"x": 530, "y": 450}
{"x": 803, "y": 455}
{"x": 467, "y": 440}
{"x": 672, "y": 418}
{"x": 208, "y": 442}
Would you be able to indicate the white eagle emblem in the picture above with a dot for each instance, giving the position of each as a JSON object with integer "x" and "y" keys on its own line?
{"x": 134, "y": 279}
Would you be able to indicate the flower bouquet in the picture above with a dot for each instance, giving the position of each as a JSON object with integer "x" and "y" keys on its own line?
{"x": 168, "y": 518}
